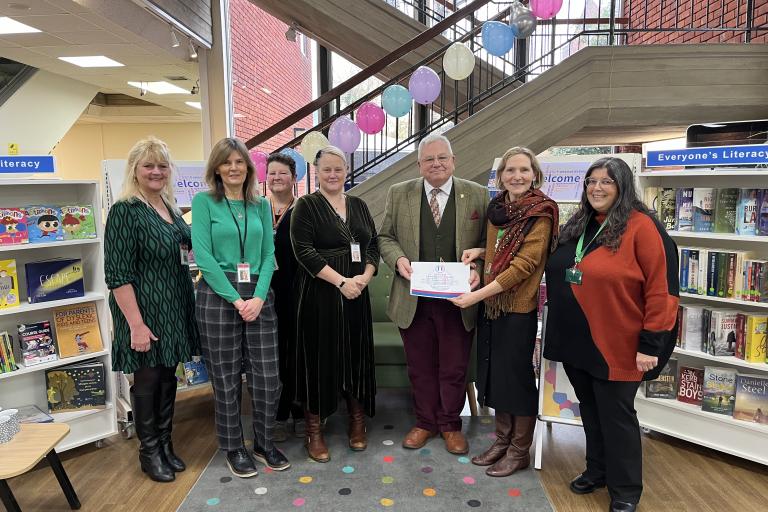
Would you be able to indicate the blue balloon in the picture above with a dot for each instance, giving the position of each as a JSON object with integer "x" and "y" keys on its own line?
{"x": 498, "y": 38}
{"x": 396, "y": 100}
{"x": 301, "y": 164}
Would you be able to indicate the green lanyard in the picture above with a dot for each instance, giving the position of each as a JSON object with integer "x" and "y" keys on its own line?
{"x": 580, "y": 249}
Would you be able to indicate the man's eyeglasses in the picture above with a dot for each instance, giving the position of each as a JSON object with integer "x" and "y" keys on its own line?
{"x": 442, "y": 160}
{"x": 605, "y": 182}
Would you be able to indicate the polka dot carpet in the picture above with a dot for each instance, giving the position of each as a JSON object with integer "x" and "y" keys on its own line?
{"x": 385, "y": 477}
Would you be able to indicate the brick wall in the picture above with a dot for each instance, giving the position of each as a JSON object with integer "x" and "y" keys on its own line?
{"x": 694, "y": 14}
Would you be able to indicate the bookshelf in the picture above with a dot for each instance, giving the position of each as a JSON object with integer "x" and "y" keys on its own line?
{"x": 687, "y": 421}
{"x": 27, "y": 384}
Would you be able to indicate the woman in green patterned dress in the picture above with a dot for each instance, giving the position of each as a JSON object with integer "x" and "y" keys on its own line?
{"x": 146, "y": 250}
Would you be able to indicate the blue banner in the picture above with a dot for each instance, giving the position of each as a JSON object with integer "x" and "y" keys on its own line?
{"x": 26, "y": 164}
{"x": 717, "y": 156}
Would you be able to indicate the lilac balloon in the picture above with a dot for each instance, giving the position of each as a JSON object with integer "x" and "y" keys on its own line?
{"x": 344, "y": 134}
{"x": 424, "y": 85}
{"x": 370, "y": 118}
{"x": 545, "y": 9}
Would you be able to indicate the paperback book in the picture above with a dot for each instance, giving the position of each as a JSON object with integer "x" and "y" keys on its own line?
{"x": 702, "y": 209}
{"x": 667, "y": 212}
{"x": 691, "y": 381}
{"x": 77, "y": 329}
{"x": 746, "y": 213}
{"x": 54, "y": 280}
{"x": 725, "y": 210}
{"x": 13, "y": 226}
{"x": 690, "y": 327}
{"x": 751, "y": 398}
{"x": 36, "y": 342}
{"x": 721, "y": 339}
{"x": 665, "y": 385}
{"x": 7, "y": 357}
{"x": 33, "y": 414}
{"x": 719, "y": 390}
{"x": 76, "y": 387}
{"x": 44, "y": 223}
{"x": 762, "y": 213}
{"x": 755, "y": 338}
{"x": 9, "y": 284}
{"x": 684, "y": 209}
{"x": 78, "y": 222}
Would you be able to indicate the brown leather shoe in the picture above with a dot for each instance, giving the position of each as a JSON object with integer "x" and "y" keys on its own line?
{"x": 455, "y": 442}
{"x": 314, "y": 442}
{"x": 357, "y": 439}
{"x": 417, "y": 437}
{"x": 498, "y": 449}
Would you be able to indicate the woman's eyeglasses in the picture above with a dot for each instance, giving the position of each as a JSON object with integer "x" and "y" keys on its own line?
{"x": 605, "y": 182}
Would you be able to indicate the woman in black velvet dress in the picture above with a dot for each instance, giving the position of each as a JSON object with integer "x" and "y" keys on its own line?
{"x": 335, "y": 243}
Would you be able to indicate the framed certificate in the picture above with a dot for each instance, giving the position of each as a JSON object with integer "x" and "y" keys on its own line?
{"x": 439, "y": 279}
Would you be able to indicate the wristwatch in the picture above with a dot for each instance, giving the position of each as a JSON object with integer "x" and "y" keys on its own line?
{"x": 341, "y": 284}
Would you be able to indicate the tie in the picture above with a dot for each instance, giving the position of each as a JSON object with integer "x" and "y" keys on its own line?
{"x": 435, "y": 206}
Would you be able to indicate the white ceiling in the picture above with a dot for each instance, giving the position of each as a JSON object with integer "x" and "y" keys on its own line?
{"x": 118, "y": 29}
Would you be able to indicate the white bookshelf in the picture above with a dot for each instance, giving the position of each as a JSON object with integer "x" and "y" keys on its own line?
{"x": 27, "y": 384}
{"x": 723, "y": 302}
{"x": 720, "y": 236}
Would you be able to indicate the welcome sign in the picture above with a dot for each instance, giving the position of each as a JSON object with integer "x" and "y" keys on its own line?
{"x": 717, "y": 156}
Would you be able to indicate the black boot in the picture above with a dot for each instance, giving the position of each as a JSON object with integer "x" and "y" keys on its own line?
{"x": 165, "y": 404}
{"x": 150, "y": 455}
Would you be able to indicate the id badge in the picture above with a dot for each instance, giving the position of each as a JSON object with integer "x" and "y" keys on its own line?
{"x": 355, "y": 248}
{"x": 573, "y": 275}
{"x": 184, "y": 254}
{"x": 243, "y": 272}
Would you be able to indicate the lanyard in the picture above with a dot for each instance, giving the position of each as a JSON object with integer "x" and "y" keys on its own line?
{"x": 240, "y": 237}
{"x": 276, "y": 223}
{"x": 580, "y": 249}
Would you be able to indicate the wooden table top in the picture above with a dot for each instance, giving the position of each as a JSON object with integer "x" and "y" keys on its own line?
{"x": 35, "y": 440}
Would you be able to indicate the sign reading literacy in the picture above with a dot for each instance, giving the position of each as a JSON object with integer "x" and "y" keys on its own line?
{"x": 26, "y": 164}
{"x": 717, "y": 156}
{"x": 439, "y": 279}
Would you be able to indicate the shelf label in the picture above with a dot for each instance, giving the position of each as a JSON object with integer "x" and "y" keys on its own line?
{"x": 717, "y": 156}
{"x": 26, "y": 164}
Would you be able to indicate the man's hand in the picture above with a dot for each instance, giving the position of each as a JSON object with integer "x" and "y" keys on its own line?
{"x": 404, "y": 267}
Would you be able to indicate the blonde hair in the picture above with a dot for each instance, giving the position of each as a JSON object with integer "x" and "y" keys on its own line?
{"x": 154, "y": 150}
{"x": 331, "y": 150}
{"x": 538, "y": 174}
{"x": 219, "y": 155}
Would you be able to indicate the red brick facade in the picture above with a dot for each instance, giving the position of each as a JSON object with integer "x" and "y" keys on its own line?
{"x": 694, "y": 14}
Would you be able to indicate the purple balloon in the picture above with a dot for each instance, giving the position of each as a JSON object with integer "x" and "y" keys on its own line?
{"x": 370, "y": 118}
{"x": 344, "y": 134}
{"x": 424, "y": 85}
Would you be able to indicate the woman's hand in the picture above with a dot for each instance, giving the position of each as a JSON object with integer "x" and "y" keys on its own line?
{"x": 361, "y": 281}
{"x": 141, "y": 338}
{"x": 466, "y": 300}
{"x": 239, "y": 304}
{"x": 350, "y": 289}
{"x": 470, "y": 255}
{"x": 645, "y": 362}
{"x": 251, "y": 309}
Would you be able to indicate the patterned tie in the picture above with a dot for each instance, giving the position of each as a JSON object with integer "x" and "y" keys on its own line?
{"x": 435, "y": 206}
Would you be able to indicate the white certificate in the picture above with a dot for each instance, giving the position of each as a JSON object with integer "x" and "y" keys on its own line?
{"x": 439, "y": 280}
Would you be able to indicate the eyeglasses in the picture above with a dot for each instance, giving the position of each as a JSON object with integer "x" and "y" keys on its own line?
{"x": 442, "y": 160}
{"x": 605, "y": 182}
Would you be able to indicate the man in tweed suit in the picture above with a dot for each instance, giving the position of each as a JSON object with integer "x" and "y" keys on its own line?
{"x": 430, "y": 218}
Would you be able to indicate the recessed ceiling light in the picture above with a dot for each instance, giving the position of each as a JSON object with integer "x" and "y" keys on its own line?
{"x": 159, "y": 87}
{"x": 93, "y": 61}
{"x": 194, "y": 104}
{"x": 11, "y": 26}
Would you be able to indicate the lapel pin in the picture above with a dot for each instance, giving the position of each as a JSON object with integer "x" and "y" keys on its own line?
{"x": 461, "y": 196}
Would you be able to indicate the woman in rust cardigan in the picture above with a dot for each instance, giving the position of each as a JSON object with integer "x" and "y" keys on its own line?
{"x": 522, "y": 228}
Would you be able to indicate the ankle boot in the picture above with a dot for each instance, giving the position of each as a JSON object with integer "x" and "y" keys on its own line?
{"x": 165, "y": 406}
{"x": 357, "y": 439}
{"x": 518, "y": 454}
{"x": 314, "y": 442}
{"x": 151, "y": 457}
{"x": 499, "y": 447}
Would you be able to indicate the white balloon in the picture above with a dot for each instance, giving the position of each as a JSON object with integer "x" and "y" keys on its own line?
{"x": 458, "y": 61}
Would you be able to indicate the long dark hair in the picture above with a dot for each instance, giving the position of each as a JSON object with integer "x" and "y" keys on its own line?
{"x": 219, "y": 154}
{"x": 617, "y": 216}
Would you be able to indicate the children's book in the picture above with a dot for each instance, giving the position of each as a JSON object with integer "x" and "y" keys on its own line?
{"x": 195, "y": 372}
{"x": 36, "y": 342}
{"x": 76, "y": 387}
{"x": 44, "y": 224}
{"x": 78, "y": 222}
{"x": 54, "y": 279}
{"x": 13, "y": 226}
{"x": 77, "y": 329}
{"x": 9, "y": 284}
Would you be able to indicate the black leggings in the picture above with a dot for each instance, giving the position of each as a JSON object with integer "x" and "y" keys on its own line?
{"x": 148, "y": 380}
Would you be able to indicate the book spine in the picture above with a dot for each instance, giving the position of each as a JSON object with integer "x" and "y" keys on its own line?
{"x": 683, "y": 270}
{"x": 712, "y": 274}
{"x": 731, "y": 280}
{"x": 722, "y": 273}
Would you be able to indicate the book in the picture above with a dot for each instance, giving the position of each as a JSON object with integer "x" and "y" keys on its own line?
{"x": 719, "y": 390}
{"x": 667, "y": 212}
{"x": 44, "y": 224}
{"x": 755, "y": 332}
{"x": 181, "y": 379}
{"x": 725, "y": 210}
{"x": 751, "y": 398}
{"x": 54, "y": 279}
{"x": 36, "y": 343}
{"x": 78, "y": 222}
{"x": 702, "y": 209}
{"x": 741, "y": 327}
{"x": 665, "y": 385}
{"x": 746, "y": 212}
{"x": 76, "y": 387}
{"x": 195, "y": 372}
{"x": 9, "y": 284}
{"x": 77, "y": 329}
{"x": 13, "y": 226}
{"x": 7, "y": 357}
{"x": 33, "y": 414}
{"x": 684, "y": 209}
{"x": 762, "y": 213}
{"x": 690, "y": 383}
{"x": 690, "y": 327}
{"x": 721, "y": 339}
{"x": 651, "y": 198}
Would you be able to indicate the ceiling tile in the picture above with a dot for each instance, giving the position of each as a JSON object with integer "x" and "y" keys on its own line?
{"x": 33, "y": 40}
{"x": 97, "y": 37}
{"x": 35, "y": 7}
{"x": 57, "y": 23}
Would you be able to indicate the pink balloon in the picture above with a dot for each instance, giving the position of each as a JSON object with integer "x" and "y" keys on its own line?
{"x": 545, "y": 9}
{"x": 259, "y": 159}
{"x": 370, "y": 118}
{"x": 344, "y": 134}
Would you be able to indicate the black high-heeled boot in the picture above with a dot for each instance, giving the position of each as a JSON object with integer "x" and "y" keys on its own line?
{"x": 152, "y": 460}
{"x": 165, "y": 407}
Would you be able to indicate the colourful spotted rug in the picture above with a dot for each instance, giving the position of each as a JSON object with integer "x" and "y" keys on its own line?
{"x": 385, "y": 477}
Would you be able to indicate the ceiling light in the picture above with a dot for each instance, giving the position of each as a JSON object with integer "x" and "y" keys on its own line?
{"x": 194, "y": 104}
{"x": 192, "y": 50}
{"x": 11, "y": 26}
{"x": 174, "y": 39}
{"x": 159, "y": 87}
{"x": 94, "y": 61}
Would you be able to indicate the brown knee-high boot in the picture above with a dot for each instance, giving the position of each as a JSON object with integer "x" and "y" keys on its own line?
{"x": 504, "y": 423}
{"x": 314, "y": 442}
{"x": 357, "y": 439}
{"x": 518, "y": 454}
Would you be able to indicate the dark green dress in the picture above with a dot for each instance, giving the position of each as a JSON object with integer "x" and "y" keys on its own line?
{"x": 142, "y": 249}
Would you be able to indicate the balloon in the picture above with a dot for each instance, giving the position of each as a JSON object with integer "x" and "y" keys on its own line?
{"x": 259, "y": 159}
{"x": 498, "y": 38}
{"x": 545, "y": 9}
{"x": 344, "y": 134}
{"x": 524, "y": 24}
{"x": 370, "y": 118}
{"x": 301, "y": 164}
{"x": 311, "y": 144}
{"x": 458, "y": 61}
{"x": 396, "y": 100}
{"x": 515, "y": 10}
{"x": 424, "y": 85}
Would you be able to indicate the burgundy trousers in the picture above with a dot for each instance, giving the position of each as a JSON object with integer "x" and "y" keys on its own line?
{"x": 437, "y": 350}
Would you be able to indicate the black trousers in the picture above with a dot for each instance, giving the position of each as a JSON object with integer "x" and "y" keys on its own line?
{"x": 614, "y": 450}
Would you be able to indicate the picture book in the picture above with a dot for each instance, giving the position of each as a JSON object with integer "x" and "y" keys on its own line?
{"x": 9, "y": 284}
{"x": 702, "y": 209}
{"x": 36, "y": 342}
{"x": 751, "y": 398}
{"x": 13, "y": 226}
{"x": 76, "y": 387}
{"x": 746, "y": 212}
{"x": 719, "y": 390}
{"x": 725, "y": 210}
{"x": 690, "y": 382}
{"x": 755, "y": 338}
{"x": 78, "y": 222}
{"x": 721, "y": 339}
{"x": 44, "y": 224}
{"x": 54, "y": 279}
{"x": 77, "y": 329}
{"x": 195, "y": 372}
{"x": 33, "y": 414}
{"x": 181, "y": 379}
{"x": 7, "y": 357}
{"x": 684, "y": 209}
{"x": 665, "y": 385}
{"x": 667, "y": 212}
